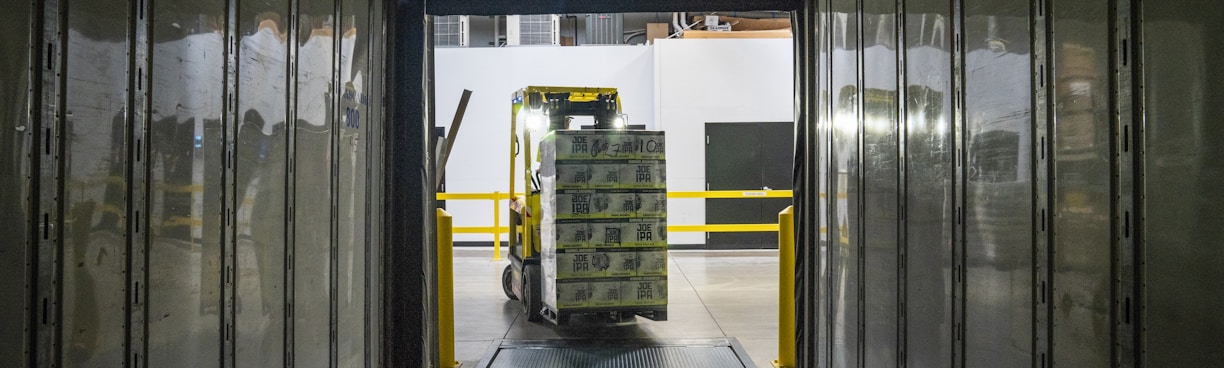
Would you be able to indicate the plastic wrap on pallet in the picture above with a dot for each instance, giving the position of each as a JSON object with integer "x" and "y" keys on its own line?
{"x": 608, "y": 233}
{"x": 603, "y": 220}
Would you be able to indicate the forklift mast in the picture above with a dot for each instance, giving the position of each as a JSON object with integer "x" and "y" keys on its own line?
{"x": 540, "y": 111}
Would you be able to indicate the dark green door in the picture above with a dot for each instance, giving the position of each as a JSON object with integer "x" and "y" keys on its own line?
{"x": 747, "y": 156}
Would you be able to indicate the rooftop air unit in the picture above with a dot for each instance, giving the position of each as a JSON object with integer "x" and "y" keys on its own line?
{"x": 451, "y": 31}
{"x": 605, "y": 29}
{"x": 543, "y": 29}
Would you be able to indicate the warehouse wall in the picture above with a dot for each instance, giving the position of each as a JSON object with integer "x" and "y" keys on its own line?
{"x": 198, "y": 177}
{"x": 993, "y": 183}
{"x": 676, "y": 86}
{"x": 701, "y": 81}
{"x": 479, "y": 162}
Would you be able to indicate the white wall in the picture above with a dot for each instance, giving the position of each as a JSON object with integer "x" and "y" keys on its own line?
{"x": 479, "y": 161}
{"x": 675, "y": 85}
{"x": 699, "y": 81}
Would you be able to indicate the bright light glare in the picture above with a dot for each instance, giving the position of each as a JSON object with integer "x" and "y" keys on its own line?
{"x": 537, "y": 122}
{"x": 619, "y": 122}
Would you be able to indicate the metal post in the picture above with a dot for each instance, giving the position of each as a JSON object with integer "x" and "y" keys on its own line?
{"x": 496, "y": 226}
{"x": 786, "y": 289}
{"x": 446, "y": 292}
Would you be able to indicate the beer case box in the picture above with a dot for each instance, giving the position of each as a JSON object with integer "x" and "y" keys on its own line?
{"x": 606, "y": 293}
{"x": 573, "y": 294}
{"x": 591, "y": 263}
{"x": 606, "y": 145}
{"x": 605, "y": 174}
{"x": 643, "y": 291}
{"x": 652, "y": 262}
{"x": 605, "y": 233}
{"x": 623, "y": 263}
{"x": 578, "y": 263}
{"x": 644, "y": 232}
{"x": 597, "y": 204}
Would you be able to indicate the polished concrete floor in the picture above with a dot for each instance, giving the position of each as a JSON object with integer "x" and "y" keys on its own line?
{"x": 711, "y": 294}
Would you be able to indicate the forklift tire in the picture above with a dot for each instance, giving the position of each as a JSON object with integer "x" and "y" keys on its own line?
{"x": 507, "y": 282}
{"x": 532, "y": 303}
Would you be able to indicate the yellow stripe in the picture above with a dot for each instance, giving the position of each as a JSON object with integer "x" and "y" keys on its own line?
{"x": 732, "y": 194}
{"x": 723, "y": 228}
{"x": 181, "y": 221}
{"x": 478, "y": 229}
{"x": 694, "y": 194}
{"x": 179, "y": 188}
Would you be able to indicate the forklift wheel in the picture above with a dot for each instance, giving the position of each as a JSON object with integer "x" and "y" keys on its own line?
{"x": 531, "y": 293}
{"x": 507, "y": 280}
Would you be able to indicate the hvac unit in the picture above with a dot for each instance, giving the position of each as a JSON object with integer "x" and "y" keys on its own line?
{"x": 451, "y": 31}
{"x": 543, "y": 29}
{"x": 605, "y": 29}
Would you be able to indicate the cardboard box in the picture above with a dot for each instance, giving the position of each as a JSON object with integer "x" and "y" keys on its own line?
{"x": 609, "y": 145}
{"x": 606, "y": 293}
{"x": 597, "y": 204}
{"x": 652, "y": 262}
{"x": 573, "y": 294}
{"x": 749, "y": 24}
{"x": 609, "y": 233}
{"x": 579, "y": 263}
{"x": 605, "y": 263}
{"x": 641, "y": 291}
{"x": 780, "y": 33}
{"x": 655, "y": 31}
{"x": 610, "y": 174}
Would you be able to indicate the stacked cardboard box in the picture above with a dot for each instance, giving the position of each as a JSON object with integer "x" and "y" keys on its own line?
{"x": 604, "y": 225}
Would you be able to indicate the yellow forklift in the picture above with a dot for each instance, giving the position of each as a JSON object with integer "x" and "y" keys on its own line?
{"x": 536, "y": 113}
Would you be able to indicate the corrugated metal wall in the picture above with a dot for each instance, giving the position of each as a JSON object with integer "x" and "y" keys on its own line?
{"x": 191, "y": 183}
{"x": 994, "y": 183}
{"x": 1004, "y": 184}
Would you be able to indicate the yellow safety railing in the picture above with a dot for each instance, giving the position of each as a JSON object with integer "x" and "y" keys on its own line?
{"x": 446, "y": 291}
{"x": 497, "y": 229}
{"x": 786, "y": 289}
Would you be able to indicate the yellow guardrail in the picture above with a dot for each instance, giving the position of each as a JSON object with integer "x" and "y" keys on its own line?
{"x": 497, "y": 229}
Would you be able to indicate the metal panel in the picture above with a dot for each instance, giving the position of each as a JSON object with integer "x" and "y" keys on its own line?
{"x": 710, "y": 353}
{"x": 843, "y": 183}
{"x": 807, "y": 243}
{"x": 313, "y": 205}
{"x": 260, "y": 184}
{"x": 998, "y": 224}
{"x": 48, "y": 148}
{"x": 928, "y": 203}
{"x": 880, "y": 212}
{"x": 353, "y": 176}
{"x": 605, "y": 29}
{"x": 16, "y": 91}
{"x": 1081, "y": 248}
{"x": 822, "y": 143}
{"x": 185, "y": 159}
{"x": 95, "y": 189}
{"x": 409, "y": 207}
{"x": 374, "y": 186}
{"x": 1181, "y": 197}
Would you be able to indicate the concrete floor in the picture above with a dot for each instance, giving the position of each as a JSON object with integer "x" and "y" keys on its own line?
{"x": 711, "y": 294}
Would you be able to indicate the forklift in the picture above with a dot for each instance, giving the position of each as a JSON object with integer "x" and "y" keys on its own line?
{"x": 543, "y": 110}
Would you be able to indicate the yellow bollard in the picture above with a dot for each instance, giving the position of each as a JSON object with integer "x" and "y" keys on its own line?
{"x": 446, "y": 291}
{"x": 496, "y": 226}
{"x": 786, "y": 289}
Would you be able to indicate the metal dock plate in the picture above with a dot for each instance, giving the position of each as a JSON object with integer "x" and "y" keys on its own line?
{"x": 707, "y": 353}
